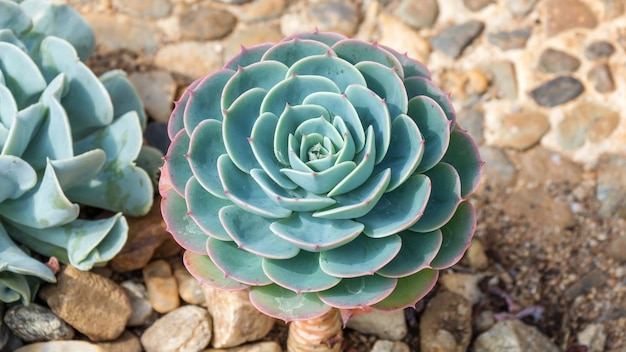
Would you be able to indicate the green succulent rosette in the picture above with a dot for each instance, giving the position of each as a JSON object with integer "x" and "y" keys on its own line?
{"x": 67, "y": 138}
{"x": 319, "y": 172}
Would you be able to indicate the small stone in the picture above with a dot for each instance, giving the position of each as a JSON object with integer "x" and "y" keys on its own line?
{"x": 513, "y": 336}
{"x": 510, "y": 40}
{"x": 396, "y": 34}
{"x": 141, "y": 308}
{"x": 587, "y": 121}
{"x": 61, "y": 346}
{"x": 161, "y": 286}
{"x": 235, "y": 319}
{"x": 186, "y": 329}
{"x": 540, "y": 208}
{"x": 422, "y": 14}
{"x": 572, "y": 130}
{"x": 463, "y": 284}
{"x": 541, "y": 166}
{"x": 156, "y": 89}
{"x": 390, "y": 346}
{"x": 476, "y": 257}
{"x": 611, "y": 188}
{"x": 262, "y": 10}
{"x": 453, "y": 40}
{"x": 484, "y": 321}
{"x": 191, "y": 59}
{"x": 521, "y": 7}
{"x": 599, "y": 49}
{"x": 522, "y": 130}
{"x": 556, "y": 61}
{"x": 557, "y": 91}
{"x": 616, "y": 249}
{"x": 128, "y": 342}
{"x": 594, "y": 337}
{"x": 476, "y": 5}
{"x": 586, "y": 283}
{"x": 386, "y": 325}
{"x": 561, "y": 16}
{"x": 121, "y": 32}
{"x": 603, "y": 126}
{"x": 250, "y": 37}
{"x": 472, "y": 120}
{"x": 327, "y": 16}
{"x": 145, "y": 234}
{"x": 72, "y": 299}
{"x": 504, "y": 79}
{"x": 34, "y": 323}
{"x": 446, "y": 323}
{"x": 189, "y": 288}
{"x": 601, "y": 78}
{"x": 141, "y": 8}
{"x": 205, "y": 23}
{"x": 268, "y": 346}
{"x": 498, "y": 171}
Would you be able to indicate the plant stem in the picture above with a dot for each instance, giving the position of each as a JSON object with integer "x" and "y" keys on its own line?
{"x": 323, "y": 334}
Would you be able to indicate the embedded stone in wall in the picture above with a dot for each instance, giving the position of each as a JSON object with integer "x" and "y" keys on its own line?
{"x": 556, "y": 61}
{"x": 515, "y": 39}
{"x": 601, "y": 78}
{"x": 453, "y": 40}
{"x": 561, "y": 16}
{"x": 557, "y": 91}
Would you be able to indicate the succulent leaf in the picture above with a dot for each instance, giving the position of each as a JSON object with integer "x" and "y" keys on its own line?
{"x": 331, "y": 174}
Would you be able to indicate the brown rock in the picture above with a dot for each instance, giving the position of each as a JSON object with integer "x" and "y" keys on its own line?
{"x": 463, "y": 284}
{"x": 565, "y": 15}
{"x": 539, "y": 207}
{"x": 446, "y": 324}
{"x": 522, "y": 130}
{"x": 601, "y": 78}
{"x": 544, "y": 167}
{"x": 145, "y": 234}
{"x": 205, "y": 23}
{"x": 161, "y": 286}
{"x": 235, "y": 319}
{"x": 73, "y": 297}
{"x": 128, "y": 342}
{"x": 616, "y": 249}
{"x": 263, "y": 9}
{"x": 191, "y": 59}
{"x": 186, "y": 329}
{"x": 189, "y": 288}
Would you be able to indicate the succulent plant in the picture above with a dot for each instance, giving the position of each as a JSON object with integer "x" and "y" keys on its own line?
{"x": 319, "y": 172}
{"x": 67, "y": 138}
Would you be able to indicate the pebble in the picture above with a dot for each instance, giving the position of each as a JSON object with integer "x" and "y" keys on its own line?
{"x": 587, "y": 121}
{"x": 422, "y": 14}
{"x": 446, "y": 323}
{"x": 327, "y": 16}
{"x": 483, "y": 321}
{"x": 599, "y": 49}
{"x": 189, "y": 288}
{"x": 235, "y": 319}
{"x": 463, "y": 284}
{"x": 386, "y": 325}
{"x": 498, "y": 171}
{"x": 390, "y": 346}
{"x": 186, "y": 329}
{"x": 251, "y": 36}
{"x": 611, "y": 188}
{"x": 513, "y": 336}
{"x": 556, "y": 61}
{"x": 472, "y": 121}
{"x": 585, "y": 283}
{"x": 72, "y": 299}
{"x": 156, "y": 89}
{"x": 205, "y": 23}
{"x": 561, "y": 16}
{"x": 61, "y": 346}
{"x": 521, "y": 7}
{"x": 616, "y": 249}
{"x": 396, "y": 34}
{"x": 515, "y": 39}
{"x": 476, "y": 5}
{"x": 128, "y": 342}
{"x": 121, "y": 32}
{"x": 190, "y": 59}
{"x": 594, "y": 337}
{"x": 504, "y": 79}
{"x": 540, "y": 166}
{"x": 141, "y": 8}
{"x": 540, "y": 207}
{"x": 522, "y": 130}
{"x": 34, "y": 323}
{"x": 261, "y": 10}
{"x": 141, "y": 308}
{"x": 601, "y": 78}
{"x": 453, "y": 40}
{"x": 557, "y": 91}
{"x": 267, "y": 346}
{"x": 145, "y": 234}
{"x": 161, "y": 286}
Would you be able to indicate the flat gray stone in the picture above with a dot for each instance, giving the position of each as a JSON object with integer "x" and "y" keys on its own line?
{"x": 557, "y": 91}
{"x": 599, "y": 49}
{"x": 515, "y": 39}
{"x": 504, "y": 79}
{"x": 453, "y": 40}
{"x": 556, "y": 61}
{"x": 611, "y": 188}
{"x": 34, "y": 323}
{"x": 418, "y": 14}
{"x": 476, "y": 5}
{"x": 601, "y": 78}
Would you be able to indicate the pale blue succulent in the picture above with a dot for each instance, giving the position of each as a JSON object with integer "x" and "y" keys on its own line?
{"x": 319, "y": 172}
{"x": 67, "y": 138}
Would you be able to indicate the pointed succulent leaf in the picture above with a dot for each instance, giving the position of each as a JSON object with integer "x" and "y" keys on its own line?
{"x": 410, "y": 67}
{"x": 204, "y": 270}
{"x": 416, "y": 86}
{"x": 359, "y": 292}
{"x": 382, "y": 81}
{"x": 205, "y": 147}
{"x": 16, "y": 177}
{"x": 237, "y": 263}
{"x": 13, "y": 17}
{"x": 293, "y": 90}
{"x": 457, "y": 236}
{"x": 398, "y": 210}
{"x": 74, "y": 170}
{"x": 183, "y": 228}
{"x": 418, "y": 251}
{"x": 301, "y": 273}
{"x": 360, "y": 257}
{"x": 463, "y": 156}
{"x": 24, "y": 127}
{"x": 338, "y": 70}
{"x": 409, "y": 290}
{"x": 261, "y": 75}
{"x": 315, "y": 234}
{"x": 288, "y": 122}
{"x": 8, "y": 108}
{"x": 435, "y": 129}
{"x": 204, "y": 209}
{"x": 176, "y": 160}
{"x": 177, "y": 117}
{"x": 328, "y": 38}
{"x": 292, "y": 51}
{"x": 285, "y": 304}
{"x": 237, "y": 128}
{"x": 202, "y": 105}
{"x": 320, "y": 182}
{"x": 355, "y": 51}
{"x": 16, "y": 261}
{"x": 21, "y": 75}
{"x": 123, "y": 95}
{"x": 363, "y": 170}
{"x": 248, "y": 56}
